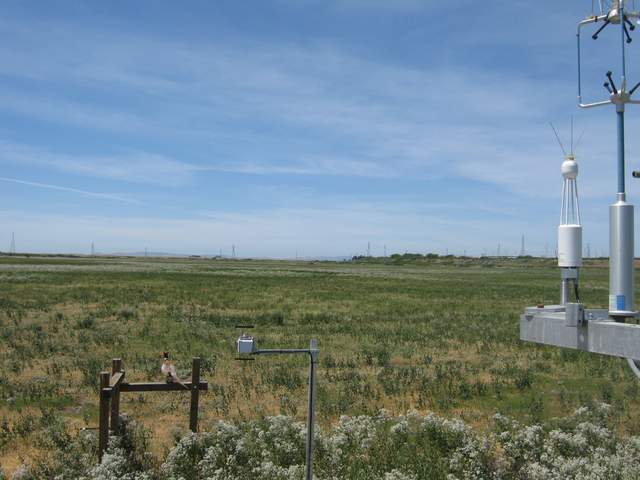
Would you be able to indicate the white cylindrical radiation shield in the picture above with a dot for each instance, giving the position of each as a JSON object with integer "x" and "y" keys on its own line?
{"x": 570, "y": 246}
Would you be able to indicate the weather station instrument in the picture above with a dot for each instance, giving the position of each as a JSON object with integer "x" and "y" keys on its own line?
{"x": 246, "y": 347}
{"x": 611, "y": 331}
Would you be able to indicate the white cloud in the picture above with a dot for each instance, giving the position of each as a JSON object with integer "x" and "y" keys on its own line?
{"x": 132, "y": 167}
{"x": 83, "y": 115}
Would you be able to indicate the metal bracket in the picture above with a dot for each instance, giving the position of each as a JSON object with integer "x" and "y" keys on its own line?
{"x": 568, "y": 273}
{"x": 589, "y": 330}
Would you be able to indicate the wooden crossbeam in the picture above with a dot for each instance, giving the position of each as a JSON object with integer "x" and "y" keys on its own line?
{"x": 161, "y": 387}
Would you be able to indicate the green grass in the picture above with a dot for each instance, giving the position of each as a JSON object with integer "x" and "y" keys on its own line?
{"x": 435, "y": 334}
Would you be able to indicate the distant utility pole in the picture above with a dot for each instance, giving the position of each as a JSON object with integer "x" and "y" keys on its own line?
{"x": 385, "y": 250}
{"x": 233, "y": 251}
{"x": 368, "y": 249}
{"x": 93, "y": 249}
{"x": 522, "y": 247}
{"x": 12, "y": 247}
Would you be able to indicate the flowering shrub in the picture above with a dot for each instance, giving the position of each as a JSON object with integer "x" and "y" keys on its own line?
{"x": 578, "y": 447}
{"x": 382, "y": 447}
{"x": 379, "y": 447}
{"x": 22, "y": 473}
{"x": 116, "y": 465}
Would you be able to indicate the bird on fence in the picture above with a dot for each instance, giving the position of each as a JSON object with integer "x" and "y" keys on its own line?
{"x": 169, "y": 371}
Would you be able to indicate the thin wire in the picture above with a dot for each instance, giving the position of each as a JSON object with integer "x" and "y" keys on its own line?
{"x": 569, "y": 204}
{"x": 571, "y": 134}
{"x": 578, "y": 204}
{"x": 572, "y": 202}
{"x": 579, "y": 139}
{"x": 558, "y": 138}
{"x": 562, "y": 208}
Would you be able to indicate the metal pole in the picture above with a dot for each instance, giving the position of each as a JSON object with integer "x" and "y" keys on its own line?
{"x": 564, "y": 291}
{"x": 622, "y": 42}
{"x": 620, "y": 106}
{"x": 620, "y": 114}
{"x": 621, "y": 242}
{"x": 579, "y": 67}
{"x": 313, "y": 356}
{"x": 313, "y": 353}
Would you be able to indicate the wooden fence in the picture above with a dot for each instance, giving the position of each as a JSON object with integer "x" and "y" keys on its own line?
{"x": 112, "y": 384}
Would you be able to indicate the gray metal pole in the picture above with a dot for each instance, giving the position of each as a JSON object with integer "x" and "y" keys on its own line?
{"x": 313, "y": 353}
{"x": 621, "y": 267}
{"x": 620, "y": 114}
{"x": 621, "y": 229}
{"x": 246, "y": 344}
{"x": 564, "y": 291}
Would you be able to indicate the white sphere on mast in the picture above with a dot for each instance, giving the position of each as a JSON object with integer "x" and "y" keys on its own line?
{"x": 570, "y": 229}
{"x": 569, "y": 168}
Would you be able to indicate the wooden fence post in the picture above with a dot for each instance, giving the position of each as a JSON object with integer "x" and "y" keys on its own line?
{"x": 116, "y": 366}
{"x": 103, "y": 429}
{"x": 195, "y": 394}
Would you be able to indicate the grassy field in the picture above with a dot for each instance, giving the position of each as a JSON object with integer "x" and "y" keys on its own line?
{"x": 431, "y": 334}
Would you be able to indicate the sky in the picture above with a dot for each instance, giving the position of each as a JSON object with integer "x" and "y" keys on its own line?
{"x": 301, "y": 127}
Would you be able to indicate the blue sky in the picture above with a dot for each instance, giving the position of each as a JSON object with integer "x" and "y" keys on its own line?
{"x": 297, "y": 125}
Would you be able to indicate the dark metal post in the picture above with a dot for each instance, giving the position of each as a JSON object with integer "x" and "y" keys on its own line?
{"x": 103, "y": 429}
{"x": 116, "y": 366}
{"x": 195, "y": 394}
{"x": 313, "y": 353}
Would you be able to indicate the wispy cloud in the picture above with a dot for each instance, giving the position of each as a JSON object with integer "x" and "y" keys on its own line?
{"x": 133, "y": 167}
{"x": 398, "y": 6}
{"x": 54, "y": 109}
{"x": 280, "y": 108}
{"x": 316, "y": 165}
{"x": 104, "y": 196}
